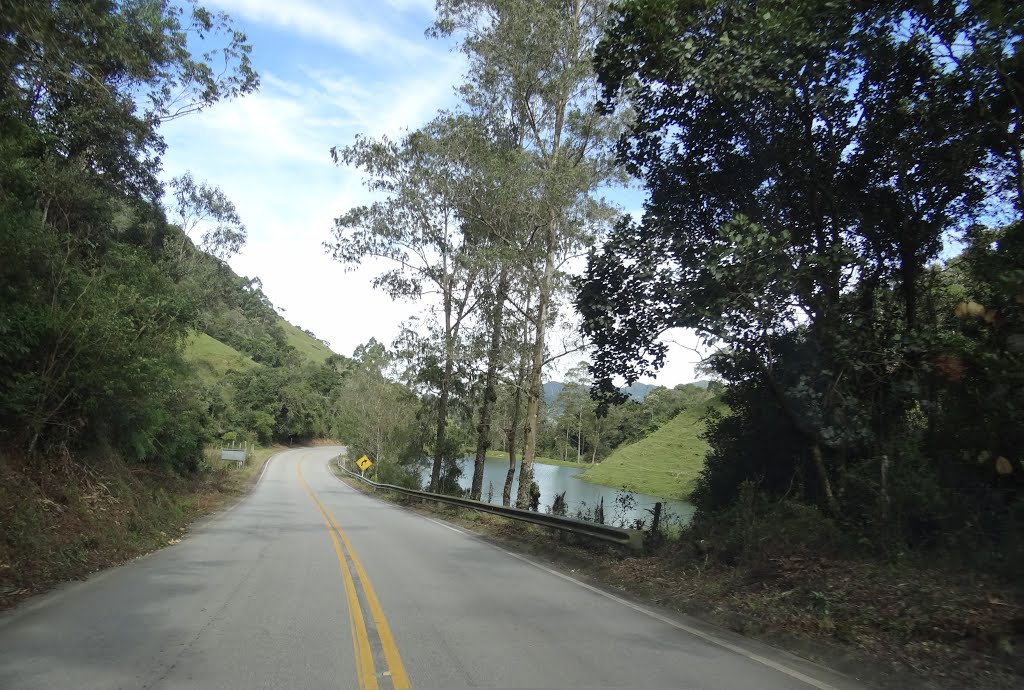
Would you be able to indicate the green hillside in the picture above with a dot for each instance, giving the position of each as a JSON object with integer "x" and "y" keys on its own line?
{"x": 306, "y": 345}
{"x": 213, "y": 359}
{"x": 665, "y": 463}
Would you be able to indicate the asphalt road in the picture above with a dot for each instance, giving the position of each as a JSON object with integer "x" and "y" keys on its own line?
{"x": 307, "y": 583}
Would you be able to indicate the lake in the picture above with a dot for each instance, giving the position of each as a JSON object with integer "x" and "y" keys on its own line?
{"x": 579, "y": 495}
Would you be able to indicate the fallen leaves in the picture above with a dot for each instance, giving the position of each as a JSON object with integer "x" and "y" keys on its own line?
{"x": 954, "y": 626}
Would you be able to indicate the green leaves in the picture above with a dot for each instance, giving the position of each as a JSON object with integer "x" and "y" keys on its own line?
{"x": 77, "y": 71}
{"x": 199, "y": 205}
{"x": 92, "y": 314}
{"x": 805, "y": 163}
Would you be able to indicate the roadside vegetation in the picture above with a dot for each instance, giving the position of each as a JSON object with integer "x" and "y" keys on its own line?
{"x": 860, "y": 278}
{"x": 69, "y": 517}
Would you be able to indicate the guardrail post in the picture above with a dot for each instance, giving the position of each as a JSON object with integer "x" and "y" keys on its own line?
{"x": 655, "y": 533}
{"x": 636, "y": 541}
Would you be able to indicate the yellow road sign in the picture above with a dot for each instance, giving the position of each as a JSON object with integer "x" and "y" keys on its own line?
{"x": 364, "y": 463}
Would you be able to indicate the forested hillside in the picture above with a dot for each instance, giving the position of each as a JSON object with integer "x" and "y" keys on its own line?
{"x": 123, "y": 326}
{"x": 98, "y": 290}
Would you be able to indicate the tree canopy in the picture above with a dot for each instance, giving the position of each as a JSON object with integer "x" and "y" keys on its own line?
{"x": 808, "y": 164}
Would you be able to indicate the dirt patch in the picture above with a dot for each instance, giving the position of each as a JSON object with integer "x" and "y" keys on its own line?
{"x": 892, "y": 626}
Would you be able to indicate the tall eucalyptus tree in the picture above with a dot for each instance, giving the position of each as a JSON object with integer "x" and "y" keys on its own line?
{"x": 533, "y": 58}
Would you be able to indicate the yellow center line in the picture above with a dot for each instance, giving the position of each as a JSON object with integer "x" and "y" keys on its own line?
{"x": 365, "y": 670}
{"x": 398, "y": 675}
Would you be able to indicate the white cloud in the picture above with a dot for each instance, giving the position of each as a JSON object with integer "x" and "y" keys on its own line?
{"x": 269, "y": 152}
{"x": 315, "y": 293}
{"x": 333, "y": 23}
{"x": 422, "y": 5}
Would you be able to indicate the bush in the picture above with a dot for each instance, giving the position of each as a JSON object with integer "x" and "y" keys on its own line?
{"x": 755, "y": 528}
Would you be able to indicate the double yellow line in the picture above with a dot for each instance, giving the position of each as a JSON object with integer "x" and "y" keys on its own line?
{"x": 357, "y": 623}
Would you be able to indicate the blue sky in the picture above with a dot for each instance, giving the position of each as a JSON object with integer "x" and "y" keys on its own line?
{"x": 329, "y": 70}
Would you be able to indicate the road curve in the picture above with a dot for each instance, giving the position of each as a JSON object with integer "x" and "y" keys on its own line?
{"x": 307, "y": 583}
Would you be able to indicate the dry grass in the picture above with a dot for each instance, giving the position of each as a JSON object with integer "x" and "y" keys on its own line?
{"x": 66, "y": 518}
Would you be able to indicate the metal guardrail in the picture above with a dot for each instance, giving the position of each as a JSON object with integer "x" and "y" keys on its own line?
{"x": 616, "y": 535}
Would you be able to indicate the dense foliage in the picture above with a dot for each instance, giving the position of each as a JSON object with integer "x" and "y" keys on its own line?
{"x": 811, "y": 169}
{"x": 99, "y": 292}
{"x": 91, "y": 318}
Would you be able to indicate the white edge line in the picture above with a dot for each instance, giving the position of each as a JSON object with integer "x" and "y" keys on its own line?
{"x": 63, "y": 589}
{"x": 265, "y": 466}
{"x": 752, "y": 656}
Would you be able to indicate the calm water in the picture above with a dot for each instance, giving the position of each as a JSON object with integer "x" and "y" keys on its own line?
{"x": 579, "y": 495}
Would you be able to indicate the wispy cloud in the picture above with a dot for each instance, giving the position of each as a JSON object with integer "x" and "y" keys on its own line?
{"x": 269, "y": 152}
{"x": 426, "y": 6}
{"x": 331, "y": 22}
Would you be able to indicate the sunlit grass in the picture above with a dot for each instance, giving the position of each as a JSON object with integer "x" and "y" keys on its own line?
{"x": 665, "y": 463}
{"x": 311, "y": 348}
{"x": 213, "y": 359}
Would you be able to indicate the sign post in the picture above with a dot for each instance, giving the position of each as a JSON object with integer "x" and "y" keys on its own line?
{"x": 364, "y": 463}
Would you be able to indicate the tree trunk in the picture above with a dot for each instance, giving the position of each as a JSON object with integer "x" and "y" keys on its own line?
{"x": 440, "y": 439}
{"x": 513, "y": 431}
{"x": 517, "y": 401}
{"x": 483, "y": 440}
{"x": 537, "y": 368}
{"x": 831, "y": 504}
{"x": 579, "y": 438}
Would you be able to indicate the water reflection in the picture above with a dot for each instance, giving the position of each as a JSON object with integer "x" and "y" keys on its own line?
{"x": 579, "y": 495}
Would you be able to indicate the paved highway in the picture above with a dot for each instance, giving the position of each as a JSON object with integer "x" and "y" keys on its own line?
{"x": 307, "y": 583}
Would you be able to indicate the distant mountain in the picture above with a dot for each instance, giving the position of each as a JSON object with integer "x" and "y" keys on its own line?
{"x": 638, "y": 391}
{"x": 701, "y": 384}
{"x": 551, "y": 391}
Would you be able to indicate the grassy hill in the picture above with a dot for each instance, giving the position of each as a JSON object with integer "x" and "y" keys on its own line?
{"x": 306, "y": 345}
{"x": 665, "y": 464}
{"x": 213, "y": 359}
